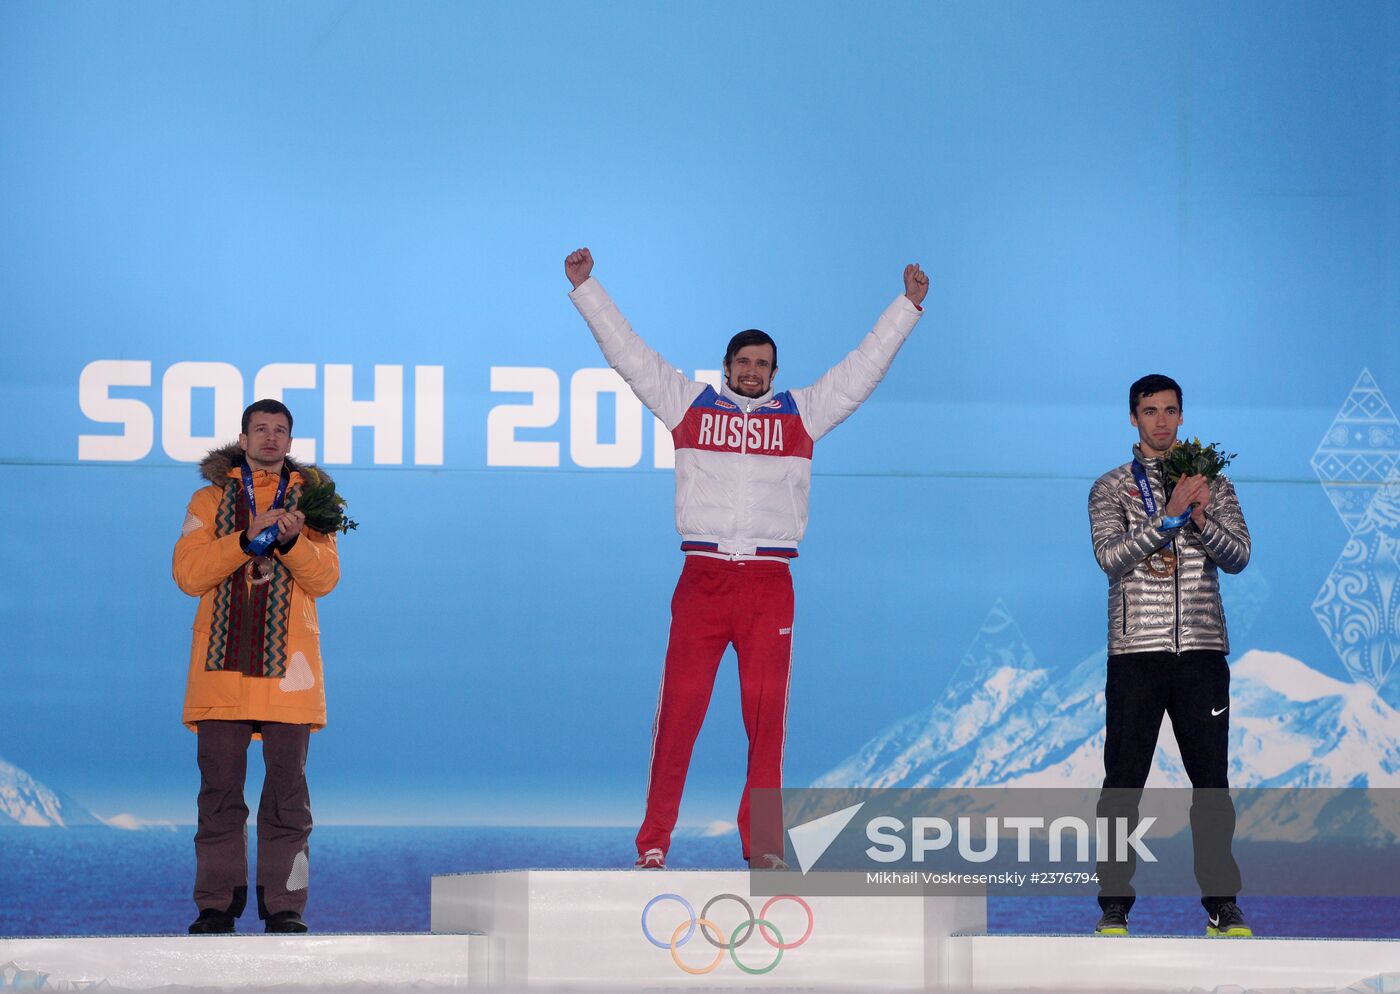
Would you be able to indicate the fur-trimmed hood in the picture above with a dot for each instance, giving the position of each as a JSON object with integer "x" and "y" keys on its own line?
{"x": 216, "y": 465}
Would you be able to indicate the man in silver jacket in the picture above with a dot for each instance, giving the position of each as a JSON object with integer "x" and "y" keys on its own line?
{"x": 1163, "y": 547}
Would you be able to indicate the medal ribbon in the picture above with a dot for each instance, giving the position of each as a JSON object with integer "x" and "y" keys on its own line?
{"x": 1149, "y": 503}
{"x": 265, "y": 539}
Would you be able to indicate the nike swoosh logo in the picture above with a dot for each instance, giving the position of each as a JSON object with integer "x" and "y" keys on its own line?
{"x": 1216, "y": 714}
{"x": 1214, "y": 922}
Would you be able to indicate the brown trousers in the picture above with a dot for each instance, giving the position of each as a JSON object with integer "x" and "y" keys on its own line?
{"x": 284, "y": 818}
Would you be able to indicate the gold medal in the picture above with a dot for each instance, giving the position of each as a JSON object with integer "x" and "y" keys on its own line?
{"x": 1162, "y": 563}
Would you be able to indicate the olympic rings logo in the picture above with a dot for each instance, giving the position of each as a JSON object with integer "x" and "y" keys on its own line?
{"x": 715, "y": 935}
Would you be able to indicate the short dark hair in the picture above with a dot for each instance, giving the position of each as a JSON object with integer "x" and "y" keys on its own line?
{"x": 750, "y": 337}
{"x": 1155, "y": 383}
{"x": 266, "y": 407}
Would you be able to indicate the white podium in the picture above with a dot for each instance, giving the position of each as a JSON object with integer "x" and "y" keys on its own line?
{"x": 558, "y": 930}
{"x": 244, "y": 963}
{"x": 634, "y": 929}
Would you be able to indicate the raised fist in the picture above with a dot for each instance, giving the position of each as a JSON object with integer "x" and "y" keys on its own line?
{"x": 578, "y": 266}
{"x": 915, "y": 283}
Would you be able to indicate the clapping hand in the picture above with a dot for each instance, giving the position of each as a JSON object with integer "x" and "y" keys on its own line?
{"x": 289, "y": 527}
{"x": 1191, "y": 492}
{"x": 263, "y": 521}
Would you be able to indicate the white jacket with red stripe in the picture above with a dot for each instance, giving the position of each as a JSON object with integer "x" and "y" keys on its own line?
{"x": 743, "y": 465}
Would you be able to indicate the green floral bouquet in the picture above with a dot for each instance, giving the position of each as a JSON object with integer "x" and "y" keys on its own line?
{"x": 323, "y": 507}
{"x": 1191, "y": 458}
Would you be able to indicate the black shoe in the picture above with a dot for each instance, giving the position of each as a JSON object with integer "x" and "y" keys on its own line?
{"x": 211, "y": 921}
{"x": 1114, "y": 921}
{"x": 1227, "y": 921}
{"x": 285, "y": 921}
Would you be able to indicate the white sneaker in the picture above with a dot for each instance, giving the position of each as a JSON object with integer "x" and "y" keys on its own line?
{"x": 652, "y": 859}
{"x": 768, "y": 861}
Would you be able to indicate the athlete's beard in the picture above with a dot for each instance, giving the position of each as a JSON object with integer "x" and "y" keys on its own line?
{"x": 749, "y": 392}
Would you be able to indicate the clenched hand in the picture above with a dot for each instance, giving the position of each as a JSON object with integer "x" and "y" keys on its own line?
{"x": 578, "y": 266}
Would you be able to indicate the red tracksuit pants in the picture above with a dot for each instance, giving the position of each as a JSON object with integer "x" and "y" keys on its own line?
{"x": 718, "y": 602}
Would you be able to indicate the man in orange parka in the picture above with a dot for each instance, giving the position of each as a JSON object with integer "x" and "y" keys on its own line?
{"x": 255, "y": 668}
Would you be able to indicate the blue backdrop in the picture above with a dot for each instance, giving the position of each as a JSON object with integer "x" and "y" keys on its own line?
{"x": 367, "y": 206}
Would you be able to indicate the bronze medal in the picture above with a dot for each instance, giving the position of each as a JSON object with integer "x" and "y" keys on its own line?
{"x": 259, "y": 571}
{"x": 1162, "y": 563}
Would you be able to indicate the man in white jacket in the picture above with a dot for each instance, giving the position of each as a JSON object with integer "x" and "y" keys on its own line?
{"x": 743, "y": 471}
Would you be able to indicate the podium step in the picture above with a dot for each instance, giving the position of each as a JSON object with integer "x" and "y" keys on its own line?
{"x": 633, "y": 929}
{"x": 552, "y": 930}
{"x": 313, "y": 962}
{"x": 1174, "y": 963}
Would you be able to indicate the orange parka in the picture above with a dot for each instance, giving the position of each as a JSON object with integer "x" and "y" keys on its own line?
{"x": 256, "y": 653}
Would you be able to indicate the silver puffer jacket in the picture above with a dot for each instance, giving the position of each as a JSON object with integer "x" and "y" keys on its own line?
{"x": 1149, "y": 613}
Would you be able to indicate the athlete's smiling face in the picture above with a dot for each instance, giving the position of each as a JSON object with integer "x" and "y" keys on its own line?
{"x": 749, "y": 372}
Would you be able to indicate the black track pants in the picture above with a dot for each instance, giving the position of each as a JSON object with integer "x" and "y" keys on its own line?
{"x": 1193, "y": 689}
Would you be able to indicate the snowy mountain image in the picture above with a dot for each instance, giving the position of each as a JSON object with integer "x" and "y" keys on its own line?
{"x": 1006, "y": 720}
{"x": 27, "y": 802}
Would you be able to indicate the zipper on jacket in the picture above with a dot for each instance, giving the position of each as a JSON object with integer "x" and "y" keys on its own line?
{"x": 1176, "y": 573}
{"x": 745, "y": 526}
{"x": 1176, "y": 586}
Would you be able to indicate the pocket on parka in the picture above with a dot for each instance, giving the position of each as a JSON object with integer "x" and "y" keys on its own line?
{"x": 210, "y": 688}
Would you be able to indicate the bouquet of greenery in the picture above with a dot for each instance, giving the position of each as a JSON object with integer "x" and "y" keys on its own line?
{"x": 1194, "y": 459}
{"x": 323, "y": 507}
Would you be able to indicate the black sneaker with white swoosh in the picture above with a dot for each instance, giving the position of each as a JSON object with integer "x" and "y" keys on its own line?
{"x": 1227, "y": 921}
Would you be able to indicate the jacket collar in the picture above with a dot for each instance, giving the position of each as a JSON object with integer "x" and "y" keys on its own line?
{"x": 222, "y": 463}
{"x": 1148, "y": 462}
{"x": 747, "y": 403}
{"x": 1154, "y": 466}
